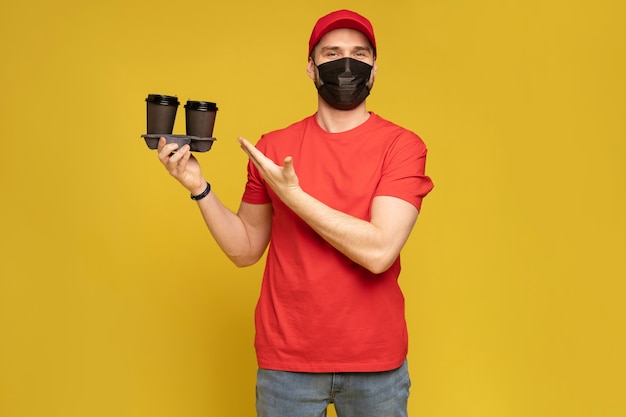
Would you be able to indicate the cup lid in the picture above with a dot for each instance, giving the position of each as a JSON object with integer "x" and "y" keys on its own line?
{"x": 162, "y": 99}
{"x": 201, "y": 105}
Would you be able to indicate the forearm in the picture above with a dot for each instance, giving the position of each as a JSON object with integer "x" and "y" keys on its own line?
{"x": 242, "y": 236}
{"x": 372, "y": 244}
{"x": 233, "y": 235}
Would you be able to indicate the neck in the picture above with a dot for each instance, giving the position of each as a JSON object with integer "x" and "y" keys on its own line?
{"x": 337, "y": 121}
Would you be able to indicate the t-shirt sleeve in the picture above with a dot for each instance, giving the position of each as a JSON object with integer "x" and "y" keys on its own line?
{"x": 404, "y": 170}
{"x": 255, "y": 191}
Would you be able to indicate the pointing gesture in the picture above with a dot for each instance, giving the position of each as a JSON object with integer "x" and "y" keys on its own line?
{"x": 283, "y": 180}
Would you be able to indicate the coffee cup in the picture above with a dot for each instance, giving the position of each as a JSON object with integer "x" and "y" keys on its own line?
{"x": 200, "y": 118}
{"x": 161, "y": 113}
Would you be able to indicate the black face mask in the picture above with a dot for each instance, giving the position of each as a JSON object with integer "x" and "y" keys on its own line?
{"x": 343, "y": 82}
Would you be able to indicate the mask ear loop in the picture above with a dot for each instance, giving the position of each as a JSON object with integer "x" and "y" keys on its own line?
{"x": 317, "y": 79}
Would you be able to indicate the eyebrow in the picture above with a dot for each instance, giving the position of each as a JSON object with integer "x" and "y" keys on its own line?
{"x": 337, "y": 48}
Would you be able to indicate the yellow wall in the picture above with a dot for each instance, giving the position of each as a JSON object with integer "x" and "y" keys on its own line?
{"x": 114, "y": 301}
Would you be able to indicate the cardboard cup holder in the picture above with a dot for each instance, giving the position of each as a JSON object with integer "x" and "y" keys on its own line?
{"x": 196, "y": 144}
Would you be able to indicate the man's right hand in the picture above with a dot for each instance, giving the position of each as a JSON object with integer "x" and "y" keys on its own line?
{"x": 182, "y": 165}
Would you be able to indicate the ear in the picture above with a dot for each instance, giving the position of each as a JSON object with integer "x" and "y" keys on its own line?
{"x": 310, "y": 69}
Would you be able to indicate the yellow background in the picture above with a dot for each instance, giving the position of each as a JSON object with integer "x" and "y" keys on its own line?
{"x": 115, "y": 301}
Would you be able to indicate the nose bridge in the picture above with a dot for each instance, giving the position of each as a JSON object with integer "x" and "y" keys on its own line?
{"x": 347, "y": 66}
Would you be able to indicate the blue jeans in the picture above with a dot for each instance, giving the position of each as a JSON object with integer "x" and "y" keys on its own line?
{"x": 354, "y": 394}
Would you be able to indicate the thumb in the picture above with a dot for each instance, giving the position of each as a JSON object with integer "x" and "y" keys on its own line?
{"x": 288, "y": 165}
{"x": 289, "y": 173}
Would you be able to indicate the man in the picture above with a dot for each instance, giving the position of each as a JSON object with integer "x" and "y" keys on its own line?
{"x": 335, "y": 196}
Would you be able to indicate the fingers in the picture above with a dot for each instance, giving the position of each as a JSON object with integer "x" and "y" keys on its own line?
{"x": 165, "y": 150}
{"x": 248, "y": 148}
{"x": 174, "y": 159}
{"x": 257, "y": 157}
{"x": 262, "y": 162}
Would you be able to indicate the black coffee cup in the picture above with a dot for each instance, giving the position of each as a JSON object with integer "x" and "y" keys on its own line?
{"x": 200, "y": 118}
{"x": 161, "y": 113}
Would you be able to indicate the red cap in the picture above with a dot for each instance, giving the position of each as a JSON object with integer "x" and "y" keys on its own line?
{"x": 341, "y": 19}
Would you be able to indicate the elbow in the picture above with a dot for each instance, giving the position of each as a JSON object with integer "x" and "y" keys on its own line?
{"x": 378, "y": 268}
{"x": 245, "y": 256}
{"x": 242, "y": 261}
{"x": 379, "y": 262}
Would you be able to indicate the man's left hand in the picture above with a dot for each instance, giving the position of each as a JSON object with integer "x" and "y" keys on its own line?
{"x": 283, "y": 180}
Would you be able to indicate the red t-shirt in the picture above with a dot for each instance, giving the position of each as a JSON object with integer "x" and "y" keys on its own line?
{"x": 318, "y": 311}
